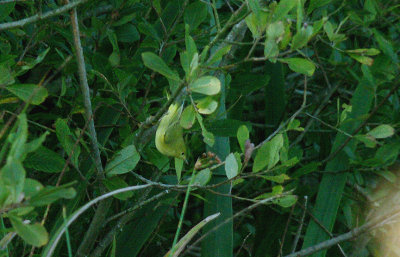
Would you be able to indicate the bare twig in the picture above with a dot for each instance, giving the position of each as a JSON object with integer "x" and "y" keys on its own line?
{"x": 300, "y": 228}
{"x": 38, "y": 17}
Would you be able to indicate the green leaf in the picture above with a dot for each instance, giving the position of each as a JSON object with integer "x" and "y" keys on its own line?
{"x": 242, "y": 136}
{"x": 202, "y": 177}
{"x": 68, "y": 141}
{"x": 283, "y": 8}
{"x": 45, "y": 160}
{"x": 35, "y": 234}
{"x": 38, "y": 60}
{"x": 208, "y": 137}
{"x": 195, "y": 13}
{"x": 30, "y": 93}
{"x": 268, "y": 154}
{"x": 275, "y": 30}
{"x": 217, "y": 56}
{"x": 123, "y": 161}
{"x": 31, "y": 187}
{"x": 316, "y": 4}
{"x": 50, "y": 194}
{"x": 368, "y": 140}
{"x": 300, "y": 65}
{"x": 226, "y": 127}
{"x": 178, "y": 168}
{"x": 301, "y": 38}
{"x": 382, "y": 131}
{"x": 6, "y": 77}
{"x": 207, "y": 105}
{"x": 364, "y": 51}
{"x": 18, "y": 139}
{"x": 115, "y": 183}
{"x": 271, "y": 49}
{"x": 231, "y": 166}
{"x": 6, "y": 9}
{"x": 286, "y": 201}
{"x": 12, "y": 176}
{"x": 386, "y": 46}
{"x": 278, "y": 179}
{"x": 154, "y": 62}
{"x": 188, "y": 117}
{"x": 362, "y": 59}
{"x": 206, "y": 85}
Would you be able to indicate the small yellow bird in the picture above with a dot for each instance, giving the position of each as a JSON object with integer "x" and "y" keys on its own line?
{"x": 169, "y": 134}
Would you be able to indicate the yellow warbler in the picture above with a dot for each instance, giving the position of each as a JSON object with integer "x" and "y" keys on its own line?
{"x": 169, "y": 134}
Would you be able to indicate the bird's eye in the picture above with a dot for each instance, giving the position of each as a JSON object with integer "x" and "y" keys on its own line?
{"x": 182, "y": 154}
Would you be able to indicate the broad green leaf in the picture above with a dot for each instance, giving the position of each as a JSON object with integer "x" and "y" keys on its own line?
{"x": 362, "y": 59}
{"x": 178, "y": 168}
{"x": 6, "y": 77}
{"x": 276, "y": 190}
{"x": 188, "y": 117}
{"x": 275, "y": 30}
{"x": 271, "y": 49}
{"x": 268, "y": 154}
{"x": 115, "y": 183}
{"x": 382, "y": 131}
{"x": 68, "y": 141}
{"x": 386, "y": 46}
{"x": 34, "y": 234}
{"x": 217, "y": 56}
{"x": 206, "y": 85}
{"x": 12, "y": 176}
{"x": 30, "y": 93}
{"x": 36, "y": 143}
{"x": 208, "y": 137}
{"x": 154, "y": 62}
{"x": 195, "y": 13}
{"x": 231, "y": 166}
{"x": 278, "y": 178}
{"x": 255, "y": 7}
{"x": 159, "y": 160}
{"x": 50, "y": 194}
{"x": 31, "y": 187}
{"x": 38, "y": 60}
{"x": 368, "y": 140}
{"x": 18, "y": 139}
{"x": 301, "y": 38}
{"x": 256, "y": 24}
{"x": 202, "y": 177}
{"x": 191, "y": 48}
{"x": 300, "y": 65}
{"x": 207, "y": 105}
{"x": 283, "y": 8}
{"x": 123, "y": 161}
{"x": 242, "y": 136}
{"x": 45, "y": 160}
{"x": 286, "y": 201}
{"x": 316, "y": 4}
{"x": 6, "y": 9}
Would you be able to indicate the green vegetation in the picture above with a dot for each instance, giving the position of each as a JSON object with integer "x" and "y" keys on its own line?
{"x": 275, "y": 124}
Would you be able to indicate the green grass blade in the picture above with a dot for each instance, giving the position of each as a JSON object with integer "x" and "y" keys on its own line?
{"x": 332, "y": 185}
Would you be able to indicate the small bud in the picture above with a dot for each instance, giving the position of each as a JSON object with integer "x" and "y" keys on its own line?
{"x": 248, "y": 150}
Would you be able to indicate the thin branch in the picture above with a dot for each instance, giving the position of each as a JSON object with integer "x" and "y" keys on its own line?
{"x": 298, "y": 234}
{"x": 369, "y": 226}
{"x": 38, "y": 17}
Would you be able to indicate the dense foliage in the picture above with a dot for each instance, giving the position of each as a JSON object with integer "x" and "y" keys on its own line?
{"x": 288, "y": 111}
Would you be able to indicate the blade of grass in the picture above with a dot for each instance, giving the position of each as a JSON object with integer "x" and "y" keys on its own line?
{"x": 332, "y": 185}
